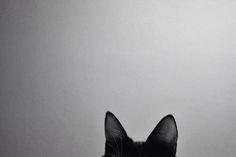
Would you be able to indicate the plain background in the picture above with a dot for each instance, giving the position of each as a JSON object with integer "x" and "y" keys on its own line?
{"x": 64, "y": 63}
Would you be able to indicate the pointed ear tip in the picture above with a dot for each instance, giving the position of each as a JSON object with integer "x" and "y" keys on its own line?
{"x": 170, "y": 116}
{"x": 108, "y": 113}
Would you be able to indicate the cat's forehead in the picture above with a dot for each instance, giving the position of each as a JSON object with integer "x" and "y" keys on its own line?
{"x": 137, "y": 150}
{"x": 125, "y": 148}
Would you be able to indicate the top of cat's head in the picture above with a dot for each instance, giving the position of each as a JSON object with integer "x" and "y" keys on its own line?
{"x": 162, "y": 141}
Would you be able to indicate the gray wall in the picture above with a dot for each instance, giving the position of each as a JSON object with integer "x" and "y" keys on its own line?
{"x": 64, "y": 63}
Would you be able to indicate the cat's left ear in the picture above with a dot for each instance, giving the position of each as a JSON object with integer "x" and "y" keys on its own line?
{"x": 113, "y": 128}
{"x": 165, "y": 134}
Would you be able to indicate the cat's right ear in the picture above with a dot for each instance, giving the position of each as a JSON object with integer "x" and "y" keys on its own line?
{"x": 113, "y": 128}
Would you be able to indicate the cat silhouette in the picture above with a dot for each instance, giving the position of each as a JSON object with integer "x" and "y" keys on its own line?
{"x": 162, "y": 142}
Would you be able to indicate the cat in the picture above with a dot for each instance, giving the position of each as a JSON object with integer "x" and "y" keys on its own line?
{"x": 162, "y": 142}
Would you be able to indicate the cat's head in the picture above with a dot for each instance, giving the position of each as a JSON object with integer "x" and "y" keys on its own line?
{"x": 162, "y": 142}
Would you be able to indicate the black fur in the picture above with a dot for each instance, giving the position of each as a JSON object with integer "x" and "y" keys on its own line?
{"x": 162, "y": 142}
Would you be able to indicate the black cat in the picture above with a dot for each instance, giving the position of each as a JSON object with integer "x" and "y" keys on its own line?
{"x": 162, "y": 142}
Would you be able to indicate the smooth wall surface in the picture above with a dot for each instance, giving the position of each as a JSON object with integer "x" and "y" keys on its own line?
{"x": 63, "y": 64}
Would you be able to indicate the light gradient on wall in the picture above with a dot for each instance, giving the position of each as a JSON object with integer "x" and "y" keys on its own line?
{"x": 64, "y": 63}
